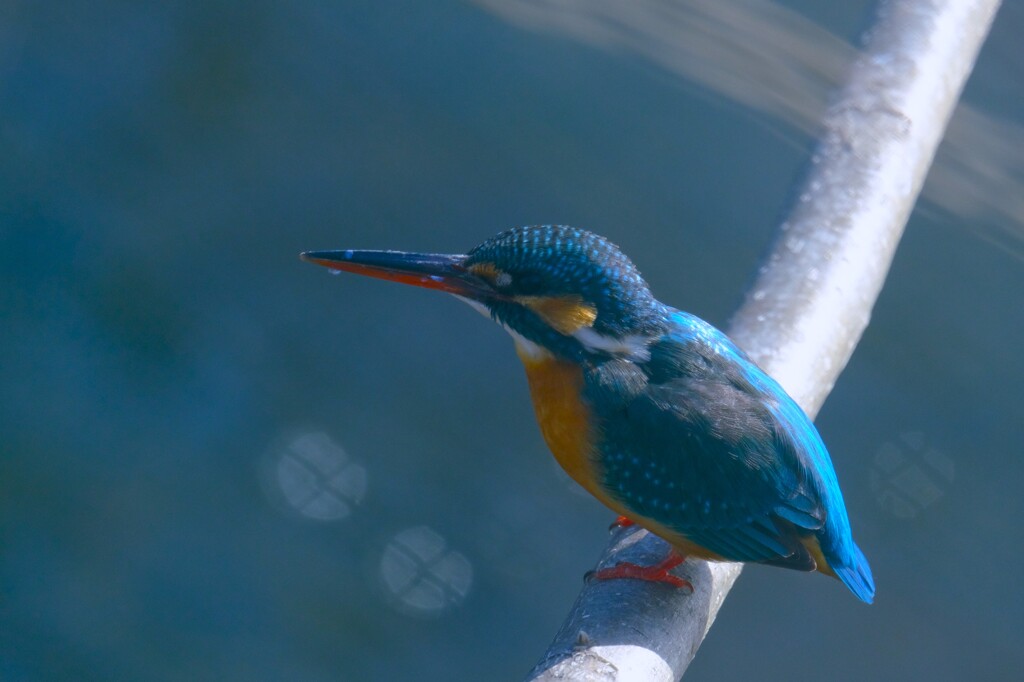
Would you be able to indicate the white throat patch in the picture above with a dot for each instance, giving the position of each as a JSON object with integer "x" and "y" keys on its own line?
{"x": 632, "y": 347}
{"x": 523, "y": 345}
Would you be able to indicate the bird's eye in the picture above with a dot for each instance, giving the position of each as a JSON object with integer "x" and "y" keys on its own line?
{"x": 491, "y": 273}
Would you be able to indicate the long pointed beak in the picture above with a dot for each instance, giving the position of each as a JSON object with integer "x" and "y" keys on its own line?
{"x": 444, "y": 272}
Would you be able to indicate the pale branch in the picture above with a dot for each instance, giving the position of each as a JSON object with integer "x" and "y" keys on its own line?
{"x": 806, "y": 311}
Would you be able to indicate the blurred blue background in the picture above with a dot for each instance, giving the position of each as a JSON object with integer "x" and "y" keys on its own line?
{"x": 220, "y": 463}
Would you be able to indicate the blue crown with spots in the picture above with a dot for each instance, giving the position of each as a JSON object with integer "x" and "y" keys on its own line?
{"x": 559, "y": 260}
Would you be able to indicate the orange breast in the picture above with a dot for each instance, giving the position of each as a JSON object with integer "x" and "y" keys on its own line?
{"x": 564, "y": 419}
{"x": 565, "y": 423}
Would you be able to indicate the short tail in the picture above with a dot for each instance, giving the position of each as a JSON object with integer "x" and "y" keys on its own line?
{"x": 856, "y": 574}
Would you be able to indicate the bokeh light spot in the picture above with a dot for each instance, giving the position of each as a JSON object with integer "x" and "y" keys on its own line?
{"x": 907, "y": 476}
{"x": 318, "y": 479}
{"x": 422, "y": 575}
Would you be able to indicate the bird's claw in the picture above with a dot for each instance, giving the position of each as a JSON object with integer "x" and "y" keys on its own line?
{"x": 621, "y": 522}
{"x": 658, "y": 573}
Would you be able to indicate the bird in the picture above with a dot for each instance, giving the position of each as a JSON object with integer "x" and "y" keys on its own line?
{"x": 652, "y": 410}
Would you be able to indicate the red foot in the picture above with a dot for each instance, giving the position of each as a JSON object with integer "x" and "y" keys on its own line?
{"x": 622, "y": 522}
{"x": 658, "y": 573}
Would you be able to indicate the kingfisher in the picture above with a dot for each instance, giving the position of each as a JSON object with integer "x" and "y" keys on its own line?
{"x": 655, "y": 412}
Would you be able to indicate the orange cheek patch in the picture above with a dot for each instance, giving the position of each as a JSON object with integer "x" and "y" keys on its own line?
{"x": 565, "y": 314}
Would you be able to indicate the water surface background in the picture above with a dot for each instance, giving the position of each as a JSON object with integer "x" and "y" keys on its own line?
{"x": 220, "y": 463}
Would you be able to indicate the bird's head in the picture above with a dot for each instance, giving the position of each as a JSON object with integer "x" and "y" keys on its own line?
{"x": 556, "y": 289}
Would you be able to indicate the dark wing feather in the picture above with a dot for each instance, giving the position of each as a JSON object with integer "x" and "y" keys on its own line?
{"x": 703, "y": 455}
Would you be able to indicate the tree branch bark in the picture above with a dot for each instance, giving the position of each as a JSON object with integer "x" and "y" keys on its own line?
{"x": 806, "y": 311}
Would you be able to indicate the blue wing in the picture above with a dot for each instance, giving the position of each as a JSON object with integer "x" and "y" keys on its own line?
{"x": 701, "y": 441}
{"x": 704, "y": 459}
